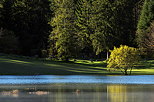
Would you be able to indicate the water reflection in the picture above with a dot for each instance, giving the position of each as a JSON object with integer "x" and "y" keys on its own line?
{"x": 130, "y": 93}
{"x": 39, "y": 93}
{"x": 77, "y": 88}
{"x": 117, "y": 93}
{"x": 13, "y": 93}
{"x": 77, "y": 93}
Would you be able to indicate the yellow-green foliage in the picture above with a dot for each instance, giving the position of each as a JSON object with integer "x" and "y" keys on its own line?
{"x": 123, "y": 58}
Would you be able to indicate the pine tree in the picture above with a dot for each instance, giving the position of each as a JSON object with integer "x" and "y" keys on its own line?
{"x": 28, "y": 19}
{"x": 83, "y": 27}
{"x": 62, "y": 37}
{"x": 124, "y": 21}
{"x": 1, "y": 6}
{"x": 112, "y": 20}
{"x": 101, "y": 22}
{"x": 146, "y": 17}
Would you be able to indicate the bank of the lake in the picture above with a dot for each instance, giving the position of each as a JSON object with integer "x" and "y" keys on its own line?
{"x": 18, "y": 65}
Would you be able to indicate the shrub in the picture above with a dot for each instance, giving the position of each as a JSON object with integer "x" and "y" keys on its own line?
{"x": 123, "y": 58}
{"x": 44, "y": 53}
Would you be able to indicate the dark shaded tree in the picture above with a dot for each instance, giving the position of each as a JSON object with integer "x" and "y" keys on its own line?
{"x": 28, "y": 19}
{"x": 8, "y": 42}
{"x": 147, "y": 16}
{"x": 125, "y": 25}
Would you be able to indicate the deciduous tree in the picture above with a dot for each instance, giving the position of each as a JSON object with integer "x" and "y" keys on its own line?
{"x": 123, "y": 58}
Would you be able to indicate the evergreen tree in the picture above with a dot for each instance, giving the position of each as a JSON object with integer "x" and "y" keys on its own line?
{"x": 1, "y": 6}
{"x": 147, "y": 16}
{"x": 101, "y": 22}
{"x": 62, "y": 38}
{"x": 124, "y": 21}
{"x": 83, "y": 27}
{"x": 7, "y": 14}
{"x": 28, "y": 19}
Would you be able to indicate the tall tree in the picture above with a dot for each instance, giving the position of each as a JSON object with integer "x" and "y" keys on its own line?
{"x": 63, "y": 36}
{"x": 124, "y": 21}
{"x": 1, "y": 6}
{"x": 29, "y": 21}
{"x": 147, "y": 16}
{"x": 7, "y": 14}
{"x": 149, "y": 41}
{"x": 101, "y": 23}
{"x": 83, "y": 27}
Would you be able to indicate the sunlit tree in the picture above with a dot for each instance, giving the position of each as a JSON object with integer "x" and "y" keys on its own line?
{"x": 123, "y": 58}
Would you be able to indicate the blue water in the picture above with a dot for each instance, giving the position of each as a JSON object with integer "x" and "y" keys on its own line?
{"x": 47, "y": 79}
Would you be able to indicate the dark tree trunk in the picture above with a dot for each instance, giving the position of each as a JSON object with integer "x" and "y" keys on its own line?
{"x": 131, "y": 71}
{"x": 126, "y": 72}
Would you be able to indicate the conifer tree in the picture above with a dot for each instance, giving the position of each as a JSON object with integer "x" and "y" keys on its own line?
{"x": 124, "y": 21}
{"x": 146, "y": 18}
{"x": 28, "y": 19}
{"x": 62, "y": 38}
{"x": 83, "y": 27}
{"x": 101, "y": 22}
{"x": 1, "y": 6}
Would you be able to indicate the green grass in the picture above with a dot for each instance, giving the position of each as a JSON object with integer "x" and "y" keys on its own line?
{"x": 18, "y": 65}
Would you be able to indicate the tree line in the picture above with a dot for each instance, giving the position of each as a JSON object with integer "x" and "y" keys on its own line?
{"x": 66, "y": 29}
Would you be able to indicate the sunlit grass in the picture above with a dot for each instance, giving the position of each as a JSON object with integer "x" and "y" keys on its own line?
{"x": 17, "y": 65}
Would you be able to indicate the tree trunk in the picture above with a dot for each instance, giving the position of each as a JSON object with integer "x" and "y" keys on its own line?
{"x": 131, "y": 71}
{"x": 107, "y": 55}
{"x": 126, "y": 72}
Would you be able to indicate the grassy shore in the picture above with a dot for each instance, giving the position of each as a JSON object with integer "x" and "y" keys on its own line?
{"x": 18, "y": 65}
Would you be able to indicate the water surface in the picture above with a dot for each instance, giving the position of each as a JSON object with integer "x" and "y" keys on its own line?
{"x": 74, "y": 88}
{"x": 48, "y": 79}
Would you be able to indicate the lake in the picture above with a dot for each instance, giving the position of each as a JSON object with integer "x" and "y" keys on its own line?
{"x": 77, "y": 88}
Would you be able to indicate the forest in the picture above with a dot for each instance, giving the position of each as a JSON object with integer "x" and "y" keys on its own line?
{"x": 75, "y": 29}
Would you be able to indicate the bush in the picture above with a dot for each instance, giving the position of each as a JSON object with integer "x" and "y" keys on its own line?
{"x": 44, "y": 53}
{"x": 123, "y": 58}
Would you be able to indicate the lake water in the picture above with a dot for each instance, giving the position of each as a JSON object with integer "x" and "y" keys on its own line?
{"x": 77, "y": 88}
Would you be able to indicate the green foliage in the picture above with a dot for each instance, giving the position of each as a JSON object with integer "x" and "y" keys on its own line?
{"x": 82, "y": 24}
{"x": 123, "y": 58}
{"x": 148, "y": 45}
{"x": 86, "y": 28}
{"x": 146, "y": 17}
{"x": 28, "y": 19}
{"x": 124, "y": 25}
{"x": 62, "y": 38}
{"x": 101, "y": 22}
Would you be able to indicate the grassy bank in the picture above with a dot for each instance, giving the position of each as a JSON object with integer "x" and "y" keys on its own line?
{"x": 17, "y": 65}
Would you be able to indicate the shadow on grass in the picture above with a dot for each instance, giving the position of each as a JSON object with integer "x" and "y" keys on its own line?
{"x": 146, "y": 64}
{"x": 33, "y": 66}
{"x": 20, "y": 66}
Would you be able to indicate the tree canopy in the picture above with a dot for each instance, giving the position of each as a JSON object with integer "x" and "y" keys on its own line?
{"x": 66, "y": 29}
{"x": 123, "y": 58}
{"x": 145, "y": 35}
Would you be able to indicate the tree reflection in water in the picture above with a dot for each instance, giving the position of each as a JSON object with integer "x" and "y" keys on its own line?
{"x": 78, "y": 93}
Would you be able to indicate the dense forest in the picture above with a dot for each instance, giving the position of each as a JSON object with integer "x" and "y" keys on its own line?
{"x": 80, "y": 29}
